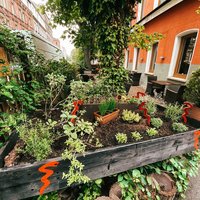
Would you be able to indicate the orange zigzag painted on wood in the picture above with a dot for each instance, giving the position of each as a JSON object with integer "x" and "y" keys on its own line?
{"x": 48, "y": 173}
{"x": 189, "y": 106}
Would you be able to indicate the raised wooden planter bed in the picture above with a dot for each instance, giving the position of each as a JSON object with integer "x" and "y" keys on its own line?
{"x": 24, "y": 180}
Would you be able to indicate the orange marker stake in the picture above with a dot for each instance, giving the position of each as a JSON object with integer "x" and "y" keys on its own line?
{"x": 48, "y": 173}
{"x": 196, "y": 139}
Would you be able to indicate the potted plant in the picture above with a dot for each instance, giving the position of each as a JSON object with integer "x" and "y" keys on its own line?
{"x": 107, "y": 111}
{"x": 192, "y": 94}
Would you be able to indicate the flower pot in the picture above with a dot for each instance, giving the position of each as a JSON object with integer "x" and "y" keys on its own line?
{"x": 195, "y": 113}
{"x": 106, "y": 118}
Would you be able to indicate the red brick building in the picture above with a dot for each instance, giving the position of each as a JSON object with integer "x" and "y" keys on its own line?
{"x": 23, "y": 15}
{"x": 176, "y": 56}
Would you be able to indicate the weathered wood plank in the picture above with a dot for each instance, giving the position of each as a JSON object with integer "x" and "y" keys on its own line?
{"x": 24, "y": 181}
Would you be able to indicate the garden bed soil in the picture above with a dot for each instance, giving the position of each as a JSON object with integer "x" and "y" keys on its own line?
{"x": 105, "y": 133}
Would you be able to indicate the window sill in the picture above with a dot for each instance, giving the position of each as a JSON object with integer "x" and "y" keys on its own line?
{"x": 148, "y": 73}
{"x": 177, "y": 79}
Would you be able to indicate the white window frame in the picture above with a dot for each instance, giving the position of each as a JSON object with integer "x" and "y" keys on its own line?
{"x": 175, "y": 53}
{"x": 148, "y": 62}
{"x": 135, "y": 58}
{"x": 139, "y": 13}
{"x": 156, "y": 3}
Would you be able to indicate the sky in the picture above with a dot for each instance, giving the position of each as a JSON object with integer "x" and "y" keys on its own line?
{"x": 67, "y": 44}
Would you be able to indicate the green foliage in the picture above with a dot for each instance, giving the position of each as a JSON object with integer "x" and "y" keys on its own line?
{"x": 76, "y": 135}
{"x": 152, "y": 132}
{"x": 142, "y": 40}
{"x": 55, "y": 83}
{"x": 156, "y": 122}
{"x": 179, "y": 127}
{"x": 89, "y": 91}
{"x": 114, "y": 79}
{"x": 129, "y": 116}
{"x": 136, "y": 136}
{"x": 151, "y": 107}
{"x": 8, "y": 122}
{"x": 192, "y": 91}
{"x": 91, "y": 190}
{"x": 107, "y": 106}
{"x": 173, "y": 112}
{"x": 37, "y": 137}
{"x": 121, "y": 138}
{"x": 49, "y": 196}
{"x": 137, "y": 183}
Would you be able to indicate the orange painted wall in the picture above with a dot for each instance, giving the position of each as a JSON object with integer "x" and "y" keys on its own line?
{"x": 174, "y": 21}
{"x": 147, "y": 6}
{"x": 178, "y": 19}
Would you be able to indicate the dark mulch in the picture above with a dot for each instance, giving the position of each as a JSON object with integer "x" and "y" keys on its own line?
{"x": 105, "y": 133}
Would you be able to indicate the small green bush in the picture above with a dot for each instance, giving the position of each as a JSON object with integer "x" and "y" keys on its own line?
{"x": 156, "y": 122}
{"x": 136, "y": 135}
{"x": 37, "y": 137}
{"x": 152, "y": 132}
{"x": 121, "y": 138}
{"x": 192, "y": 91}
{"x": 129, "y": 116}
{"x": 107, "y": 106}
{"x": 151, "y": 107}
{"x": 179, "y": 127}
{"x": 173, "y": 112}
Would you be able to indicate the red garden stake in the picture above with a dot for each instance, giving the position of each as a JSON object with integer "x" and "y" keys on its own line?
{"x": 48, "y": 173}
{"x": 76, "y": 104}
{"x": 189, "y": 106}
{"x": 148, "y": 117}
{"x": 196, "y": 139}
{"x": 139, "y": 94}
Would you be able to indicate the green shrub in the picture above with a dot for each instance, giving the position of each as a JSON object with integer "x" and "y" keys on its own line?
{"x": 37, "y": 137}
{"x": 173, "y": 112}
{"x": 129, "y": 116}
{"x": 121, "y": 138}
{"x": 107, "y": 106}
{"x": 156, "y": 122}
{"x": 151, "y": 107}
{"x": 136, "y": 136}
{"x": 192, "y": 91}
{"x": 152, "y": 132}
{"x": 179, "y": 127}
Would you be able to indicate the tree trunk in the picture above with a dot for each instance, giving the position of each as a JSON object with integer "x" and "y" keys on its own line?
{"x": 87, "y": 58}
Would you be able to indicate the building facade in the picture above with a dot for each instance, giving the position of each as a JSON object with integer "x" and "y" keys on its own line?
{"x": 176, "y": 56}
{"x": 23, "y": 15}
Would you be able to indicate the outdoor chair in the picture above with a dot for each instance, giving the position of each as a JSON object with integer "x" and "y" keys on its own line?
{"x": 135, "y": 78}
{"x": 151, "y": 87}
{"x": 174, "y": 93}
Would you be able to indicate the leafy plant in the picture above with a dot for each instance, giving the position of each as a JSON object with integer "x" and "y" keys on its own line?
{"x": 137, "y": 184}
{"x": 107, "y": 106}
{"x": 179, "y": 127}
{"x": 152, "y": 132}
{"x": 192, "y": 91}
{"x": 129, "y": 116}
{"x": 121, "y": 138}
{"x": 91, "y": 190}
{"x": 156, "y": 122}
{"x": 173, "y": 112}
{"x": 55, "y": 87}
{"x": 76, "y": 134}
{"x": 151, "y": 107}
{"x": 37, "y": 137}
{"x": 8, "y": 122}
{"x": 136, "y": 136}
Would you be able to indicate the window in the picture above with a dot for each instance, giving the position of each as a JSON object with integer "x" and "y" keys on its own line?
{"x": 140, "y": 11}
{"x": 13, "y": 9}
{"x": 184, "y": 57}
{"x": 136, "y": 58}
{"x": 153, "y": 58}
